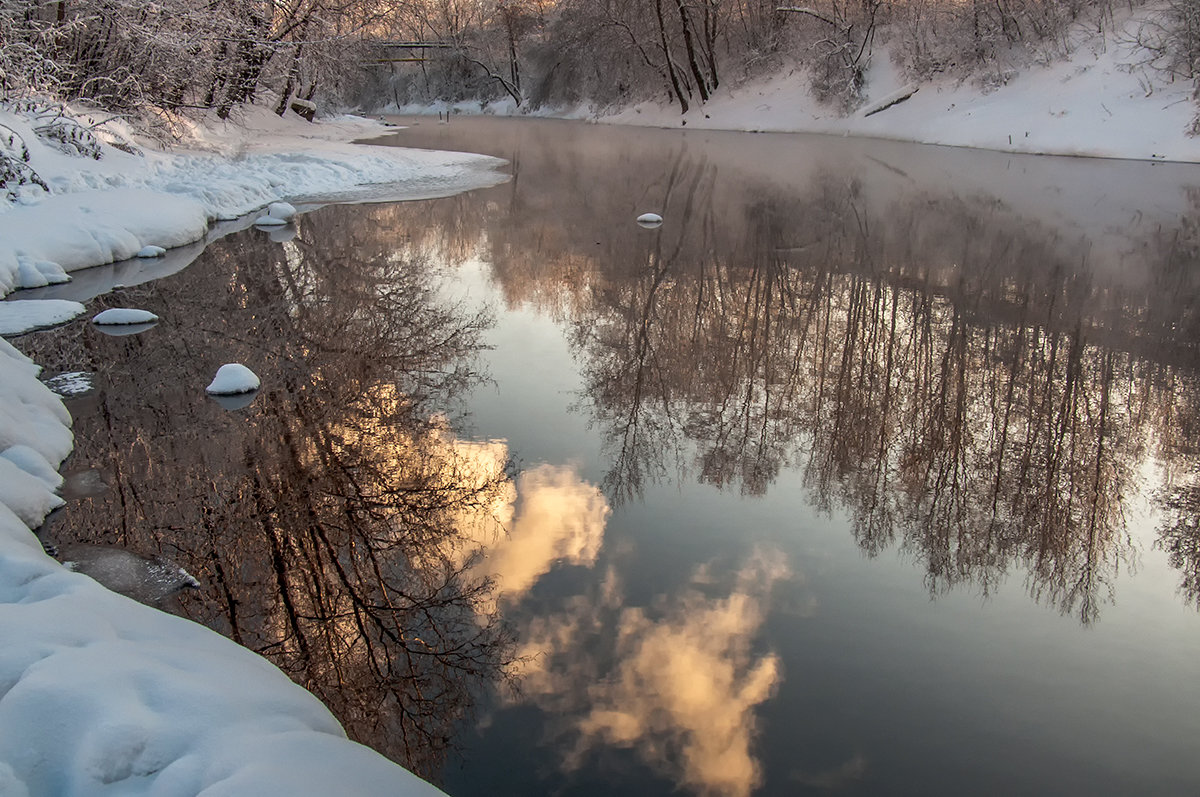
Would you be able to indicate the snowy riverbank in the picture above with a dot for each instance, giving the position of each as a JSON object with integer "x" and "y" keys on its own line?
{"x": 100, "y": 694}
{"x": 103, "y": 211}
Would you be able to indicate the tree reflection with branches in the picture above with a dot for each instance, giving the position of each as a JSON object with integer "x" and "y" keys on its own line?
{"x": 956, "y": 374}
{"x": 955, "y": 406}
{"x": 323, "y": 520}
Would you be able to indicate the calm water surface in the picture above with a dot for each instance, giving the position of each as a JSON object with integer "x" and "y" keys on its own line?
{"x": 874, "y": 470}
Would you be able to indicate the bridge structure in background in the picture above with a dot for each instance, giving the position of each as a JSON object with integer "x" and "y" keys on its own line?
{"x": 403, "y": 52}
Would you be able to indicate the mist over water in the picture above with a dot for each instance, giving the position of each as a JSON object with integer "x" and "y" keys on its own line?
{"x": 872, "y": 471}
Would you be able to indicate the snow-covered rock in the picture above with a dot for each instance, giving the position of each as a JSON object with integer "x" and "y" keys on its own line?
{"x": 124, "y": 315}
{"x": 650, "y": 220}
{"x": 233, "y": 378}
{"x": 281, "y": 210}
{"x": 19, "y": 316}
{"x": 151, "y": 251}
{"x": 269, "y": 221}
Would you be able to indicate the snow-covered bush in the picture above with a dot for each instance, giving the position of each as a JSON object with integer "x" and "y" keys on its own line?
{"x": 58, "y": 128}
{"x": 172, "y": 56}
{"x": 1171, "y": 38}
{"x": 15, "y": 170}
{"x": 935, "y": 36}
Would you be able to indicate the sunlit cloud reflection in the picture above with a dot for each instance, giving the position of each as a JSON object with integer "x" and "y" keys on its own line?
{"x": 561, "y": 520}
{"x": 685, "y": 684}
{"x": 550, "y": 516}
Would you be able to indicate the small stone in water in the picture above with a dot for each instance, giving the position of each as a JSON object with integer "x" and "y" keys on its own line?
{"x": 233, "y": 378}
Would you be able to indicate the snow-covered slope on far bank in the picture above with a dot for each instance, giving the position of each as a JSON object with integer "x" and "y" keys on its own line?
{"x": 1101, "y": 100}
{"x": 1087, "y": 106}
{"x": 103, "y": 211}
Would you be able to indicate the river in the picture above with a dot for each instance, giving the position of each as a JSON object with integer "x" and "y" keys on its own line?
{"x": 873, "y": 470}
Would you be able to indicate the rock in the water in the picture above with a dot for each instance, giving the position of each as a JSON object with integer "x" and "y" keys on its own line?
{"x": 151, "y": 251}
{"x": 281, "y": 210}
{"x": 233, "y": 378}
{"x": 269, "y": 221}
{"x": 650, "y": 220}
{"x": 72, "y": 383}
{"x": 124, "y": 315}
{"x": 145, "y": 579}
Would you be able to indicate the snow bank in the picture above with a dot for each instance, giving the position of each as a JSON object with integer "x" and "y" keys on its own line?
{"x": 100, "y": 694}
{"x": 25, "y": 315}
{"x": 103, "y": 211}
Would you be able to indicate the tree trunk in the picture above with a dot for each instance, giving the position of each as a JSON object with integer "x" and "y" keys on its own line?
{"x": 688, "y": 44}
{"x": 293, "y": 76}
{"x": 662, "y": 31}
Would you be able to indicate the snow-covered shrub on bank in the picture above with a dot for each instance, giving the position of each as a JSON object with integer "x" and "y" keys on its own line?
{"x": 15, "y": 170}
{"x": 54, "y": 125}
{"x": 1170, "y": 36}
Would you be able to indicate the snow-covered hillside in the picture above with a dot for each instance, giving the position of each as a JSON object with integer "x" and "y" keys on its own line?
{"x": 1098, "y": 102}
{"x": 1103, "y": 100}
{"x": 99, "y": 694}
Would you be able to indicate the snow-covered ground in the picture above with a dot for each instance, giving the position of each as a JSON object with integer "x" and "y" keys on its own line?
{"x": 99, "y": 694}
{"x": 1097, "y": 103}
{"x": 103, "y": 211}
{"x": 1101, "y": 100}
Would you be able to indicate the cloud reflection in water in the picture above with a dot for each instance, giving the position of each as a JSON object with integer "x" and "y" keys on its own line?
{"x": 560, "y": 519}
{"x": 685, "y": 681}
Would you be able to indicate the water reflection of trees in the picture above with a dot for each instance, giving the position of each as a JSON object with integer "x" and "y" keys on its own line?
{"x": 320, "y": 520}
{"x": 958, "y": 410}
{"x": 949, "y": 369}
